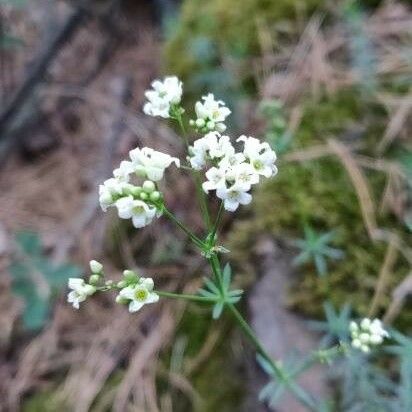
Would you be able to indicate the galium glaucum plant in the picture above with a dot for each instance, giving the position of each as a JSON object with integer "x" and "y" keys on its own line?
{"x": 228, "y": 167}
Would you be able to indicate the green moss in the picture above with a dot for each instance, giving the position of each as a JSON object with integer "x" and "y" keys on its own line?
{"x": 47, "y": 401}
{"x": 209, "y": 31}
{"x": 320, "y": 192}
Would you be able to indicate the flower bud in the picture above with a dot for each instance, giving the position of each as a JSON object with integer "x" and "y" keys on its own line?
{"x": 200, "y": 123}
{"x": 149, "y": 186}
{"x": 130, "y": 276}
{"x": 121, "y": 300}
{"x": 155, "y": 196}
{"x": 144, "y": 196}
{"x": 108, "y": 283}
{"x": 136, "y": 191}
{"x": 96, "y": 267}
{"x": 121, "y": 284}
{"x": 210, "y": 125}
{"x": 89, "y": 290}
{"x": 94, "y": 279}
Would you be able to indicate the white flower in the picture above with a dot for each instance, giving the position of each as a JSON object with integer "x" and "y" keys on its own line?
{"x": 151, "y": 163}
{"x": 211, "y": 114}
{"x": 80, "y": 291}
{"x": 233, "y": 196}
{"x": 216, "y": 179}
{"x": 141, "y": 213}
{"x": 212, "y": 146}
{"x": 123, "y": 172}
{"x": 244, "y": 176}
{"x": 366, "y": 334}
{"x": 109, "y": 191}
{"x": 222, "y": 148}
{"x": 199, "y": 152}
{"x": 164, "y": 94}
{"x": 231, "y": 160}
{"x": 259, "y": 155}
{"x": 139, "y": 294}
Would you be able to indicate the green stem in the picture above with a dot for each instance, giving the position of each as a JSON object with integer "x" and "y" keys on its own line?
{"x": 217, "y": 222}
{"x": 182, "y": 127}
{"x": 248, "y": 331}
{"x": 191, "y": 235}
{"x": 202, "y": 199}
{"x": 215, "y": 264}
{"x": 186, "y": 297}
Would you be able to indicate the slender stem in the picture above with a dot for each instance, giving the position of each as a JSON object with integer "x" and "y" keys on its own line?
{"x": 202, "y": 199}
{"x": 217, "y": 271}
{"x": 217, "y": 222}
{"x": 215, "y": 264}
{"x": 248, "y": 331}
{"x": 186, "y": 297}
{"x": 191, "y": 235}
{"x": 182, "y": 127}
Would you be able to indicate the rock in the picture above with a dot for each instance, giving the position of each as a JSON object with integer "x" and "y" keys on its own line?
{"x": 281, "y": 331}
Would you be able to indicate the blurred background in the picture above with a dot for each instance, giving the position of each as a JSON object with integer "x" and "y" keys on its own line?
{"x": 327, "y": 83}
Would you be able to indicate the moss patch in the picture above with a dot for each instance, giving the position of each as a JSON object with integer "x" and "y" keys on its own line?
{"x": 319, "y": 192}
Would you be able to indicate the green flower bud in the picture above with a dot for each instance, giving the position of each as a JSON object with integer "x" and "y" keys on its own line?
{"x": 122, "y": 284}
{"x": 109, "y": 283}
{"x": 94, "y": 279}
{"x": 155, "y": 196}
{"x": 210, "y": 125}
{"x": 144, "y": 196}
{"x": 136, "y": 191}
{"x": 200, "y": 122}
{"x": 149, "y": 186}
{"x": 121, "y": 300}
{"x": 130, "y": 276}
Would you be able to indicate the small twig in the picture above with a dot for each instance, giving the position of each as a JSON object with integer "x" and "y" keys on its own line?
{"x": 384, "y": 275}
{"x": 360, "y": 184}
{"x": 399, "y": 296}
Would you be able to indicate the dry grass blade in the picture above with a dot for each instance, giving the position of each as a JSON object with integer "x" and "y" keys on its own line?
{"x": 400, "y": 295}
{"x": 142, "y": 356}
{"x": 384, "y": 275}
{"x": 361, "y": 186}
{"x": 396, "y": 123}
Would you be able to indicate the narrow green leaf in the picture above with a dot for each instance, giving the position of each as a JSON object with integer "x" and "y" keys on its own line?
{"x": 217, "y": 310}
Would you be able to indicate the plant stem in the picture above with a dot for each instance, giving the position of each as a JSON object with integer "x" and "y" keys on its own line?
{"x": 186, "y": 297}
{"x": 248, "y": 331}
{"x": 199, "y": 243}
{"x": 217, "y": 222}
{"x": 182, "y": 127}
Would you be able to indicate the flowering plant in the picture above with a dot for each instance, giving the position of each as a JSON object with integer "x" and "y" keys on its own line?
{"x": 230, "y": 168}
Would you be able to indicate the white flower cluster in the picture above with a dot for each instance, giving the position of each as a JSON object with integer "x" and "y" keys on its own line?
{"x": 232, "y": 173}
{"x": 136, "y": 291}
{"x": 211, "y": 115}
{"x": 133, "y": 290}
{"x": 136, "y": 202}
{"x": 367, "y": 333}
{"x": 164, "y": 95}
{"x": 80, "y": 291}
